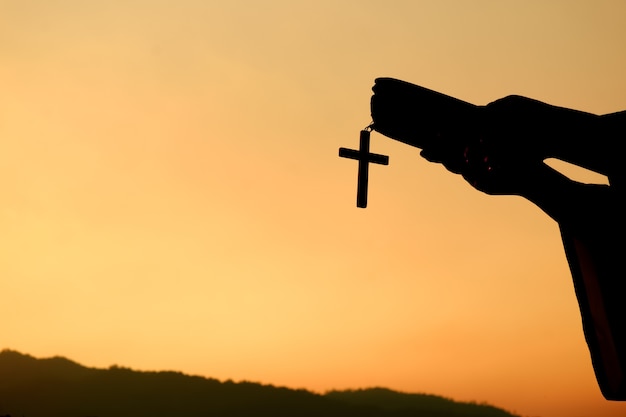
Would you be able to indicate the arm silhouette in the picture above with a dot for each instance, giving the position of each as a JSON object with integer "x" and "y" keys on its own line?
{"x": 499, "y": 149}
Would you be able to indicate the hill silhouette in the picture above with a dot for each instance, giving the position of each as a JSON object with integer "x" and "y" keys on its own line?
{"x": 57, "y": 386}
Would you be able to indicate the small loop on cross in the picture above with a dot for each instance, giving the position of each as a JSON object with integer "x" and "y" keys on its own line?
{"x": 369, "y": 127}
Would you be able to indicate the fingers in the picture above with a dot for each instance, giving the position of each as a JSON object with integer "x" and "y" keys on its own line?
{"x": 393, "y": 111}
{"x": 479, "y": 167}
{"x": 477, "y": 158}
{"x": 476, "y": 163}
{"x": 431, "y": 155}
{"x": 492, "y": 170}
{"x": 450, "y": 156}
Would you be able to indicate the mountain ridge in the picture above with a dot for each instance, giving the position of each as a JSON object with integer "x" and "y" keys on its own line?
{"x": 57, "y": 386}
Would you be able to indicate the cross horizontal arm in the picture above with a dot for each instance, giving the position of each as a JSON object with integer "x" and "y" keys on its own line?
{"x": 358, "y": 155}
{"x": 379, "y": 159}
{"x": 349, "y": 153}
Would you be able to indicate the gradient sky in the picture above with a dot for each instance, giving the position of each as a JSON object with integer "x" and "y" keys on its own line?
{"x": 172, "y": 196}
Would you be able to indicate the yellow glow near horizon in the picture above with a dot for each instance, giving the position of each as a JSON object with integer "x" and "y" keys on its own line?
{"x": 173, "y": 199}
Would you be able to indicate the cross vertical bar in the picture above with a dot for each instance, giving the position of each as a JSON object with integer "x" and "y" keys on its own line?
{"x": 362, "y": 182}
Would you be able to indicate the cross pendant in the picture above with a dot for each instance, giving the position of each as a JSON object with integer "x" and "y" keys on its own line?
{"x": 364, "y": 157}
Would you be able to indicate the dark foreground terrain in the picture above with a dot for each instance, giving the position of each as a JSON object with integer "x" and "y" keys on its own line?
{"x": 52, "y": 387}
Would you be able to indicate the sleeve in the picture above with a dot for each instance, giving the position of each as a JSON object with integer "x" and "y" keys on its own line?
{"x": 596, "y": 260}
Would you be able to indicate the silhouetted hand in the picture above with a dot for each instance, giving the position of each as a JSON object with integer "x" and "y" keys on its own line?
{"x": 501, "y": 157}
{"x": 493, "y": 147}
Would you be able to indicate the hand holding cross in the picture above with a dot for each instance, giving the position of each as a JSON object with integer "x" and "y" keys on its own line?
{"x": 364, "y": 157}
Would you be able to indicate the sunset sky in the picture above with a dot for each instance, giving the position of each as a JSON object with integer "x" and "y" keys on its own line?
{"x": 172, "y": 196}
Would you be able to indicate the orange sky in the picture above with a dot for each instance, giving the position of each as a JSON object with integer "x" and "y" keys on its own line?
{"x": 172, "y": 196}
